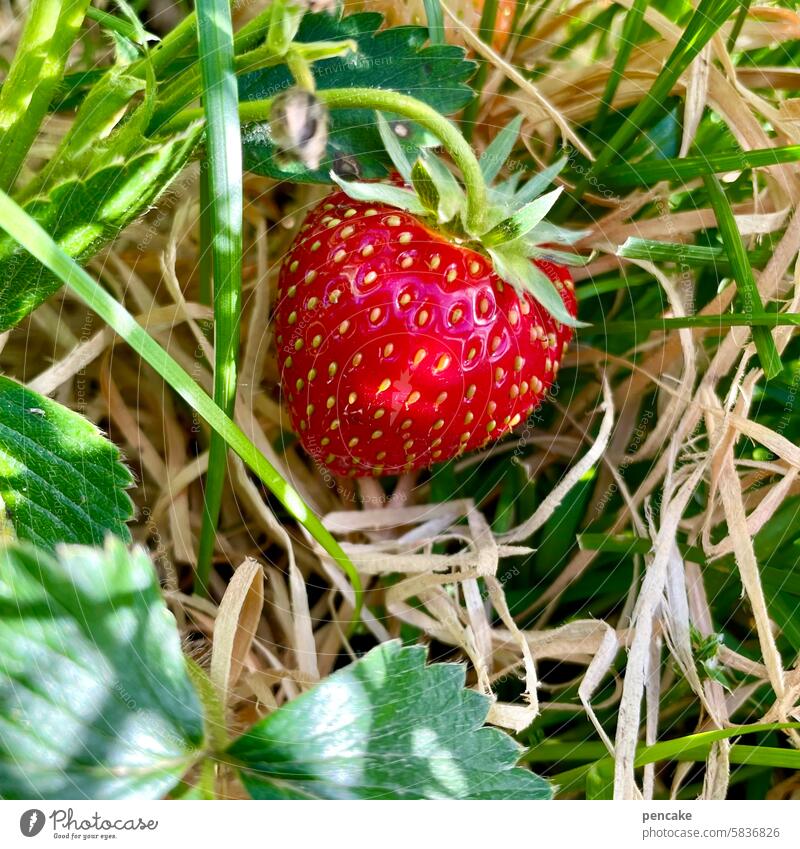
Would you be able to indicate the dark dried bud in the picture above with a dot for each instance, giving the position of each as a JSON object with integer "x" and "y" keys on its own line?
{"x": 346, "y": 166}
{"x": 298, "y": 126}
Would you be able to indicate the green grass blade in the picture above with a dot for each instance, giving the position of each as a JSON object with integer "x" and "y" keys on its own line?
{"x": 703, "y": 322}
{"x": 743, "y": 275}
{"x": 692, "y": 255}
{"x": 654, "y": 171}
{"x": 35, "y": 72}
{"x": 691, "y": 747}
{"x": 744, "y": 10}
{"x": 33, "y": 238}
{"x": 709, "y": 16}
{"x": 224, "y": 165}
{"x": 435, "y": 18}
{"x": 628, "y": 38}
{"x": 486, "y": 34}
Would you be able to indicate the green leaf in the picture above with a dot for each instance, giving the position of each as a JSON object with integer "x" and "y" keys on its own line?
{"x": 522, "y": 221}
{"x": 61, "y": 481}
{"x": 425, "y": 187}
{"x": 95, "y": 700}
{"x": 380, "y": 193}
{"x": 496, "y": 154}
{"x": 386, "y": 727}
{"x": 394, "y": 59}
{"x": 84, "y": 215}
{"x": 515, "y": 268}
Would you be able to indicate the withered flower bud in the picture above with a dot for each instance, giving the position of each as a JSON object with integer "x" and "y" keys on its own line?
{"x": 298, "y": 126}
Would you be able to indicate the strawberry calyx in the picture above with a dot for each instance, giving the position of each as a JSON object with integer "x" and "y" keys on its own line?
{"x": 511, "y": 229}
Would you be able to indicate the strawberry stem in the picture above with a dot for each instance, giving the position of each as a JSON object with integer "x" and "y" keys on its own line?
{"x": 386, "y": 101}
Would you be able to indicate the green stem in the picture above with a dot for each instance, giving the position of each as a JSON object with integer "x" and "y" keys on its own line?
{"x": 35, "y": 72}
{"x": 186, "y": 87}
{"x": 25, "y": 230}
{"x": 385, "y": 101}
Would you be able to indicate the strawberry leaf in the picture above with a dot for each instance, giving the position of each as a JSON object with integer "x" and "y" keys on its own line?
{"x": 84, "y": 214}
{"x": 385, "y": 727}
{"x": 395, "y": 59}
{"x": 95, "y": 699}
{"x": 515, "y": 268}
{"x": 60, "y": 480}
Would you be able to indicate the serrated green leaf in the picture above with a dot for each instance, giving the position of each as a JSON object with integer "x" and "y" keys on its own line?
{"x": 495, "y": 156}
{"x": 395, "y": 59}
{"x": 61, "y": 481}
{"x": 394, "y": 148}
{"x": 84, "y": 215}
{"x": 522, "y": 221}
{"x": 380, "y": 193}
{"x": 515, "y": 268}
{"x": 425, "y": 187}
{"x": 385, "y": 727}
{"x": 95, "y": 700}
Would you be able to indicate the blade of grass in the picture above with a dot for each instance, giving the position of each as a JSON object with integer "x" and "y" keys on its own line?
{"x": 743, "y": 275}
{"x": 23, "y": 229}
{"x": 631, "y": 29}
{"x": 36, "y": 70}
{"x": 486, "y": 34}
{"x": 650, "y": 172}
{"x": 744, "y": 10}
{"x": 699, "y": 322}
{"x": 224, "y": 173}
{"x": 435, "y": 18}
{"x": 706, "y": 20}
{"x": 681, "y": 748}
{"x": 692, "y": 255}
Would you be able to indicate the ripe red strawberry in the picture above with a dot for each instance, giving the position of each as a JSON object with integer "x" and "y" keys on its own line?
{"x": 398, "y": 348}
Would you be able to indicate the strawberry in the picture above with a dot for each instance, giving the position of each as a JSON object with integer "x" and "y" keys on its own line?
{"x": 399, "y": 343}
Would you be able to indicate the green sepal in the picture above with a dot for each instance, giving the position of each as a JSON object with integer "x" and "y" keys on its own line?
{"x": 452, "y": 200}
{"x": 425, "y": 187}
{"x": 516, "y": 269}
{"x": 394, "y": 148}
{"x": 538, "y": 183}
{"x": 521, "y": 222}
{"x": 380, "y": 193}
{"x": 495, "y": 156}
